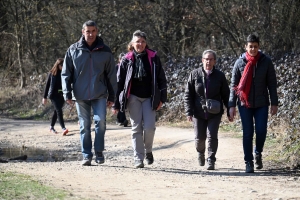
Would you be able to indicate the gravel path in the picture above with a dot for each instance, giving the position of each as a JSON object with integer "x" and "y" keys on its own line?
{"x": 175, "y": 173}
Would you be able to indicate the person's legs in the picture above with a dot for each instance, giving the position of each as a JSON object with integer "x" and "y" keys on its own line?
{"x": 121, "y": 117}
{"x": 200, "y": 127}
{"x": 58, "y": 103}
{"x": 134, "y": 106}
{"x": 248, "y": 131}
{"x": 261, "y": 121}
{"x": 84, "y": 115}
{"x": 149, "y": 128}
{"x": 212, "y": 136}
{"x": 99, "y": 110}
{"x": 54, "y": 118}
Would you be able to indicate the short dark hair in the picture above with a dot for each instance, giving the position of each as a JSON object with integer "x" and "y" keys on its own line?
{"x": 253, "y": 38}
{"x": 89, "y": 23}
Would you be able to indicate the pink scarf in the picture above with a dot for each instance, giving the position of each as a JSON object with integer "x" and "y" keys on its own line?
{"x": 243, "y": 89}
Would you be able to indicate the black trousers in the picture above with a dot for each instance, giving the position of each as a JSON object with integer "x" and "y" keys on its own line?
{"x": 207, "y": 128}
{"x": 58, "y": 103}
{"x": 121, "y": 117}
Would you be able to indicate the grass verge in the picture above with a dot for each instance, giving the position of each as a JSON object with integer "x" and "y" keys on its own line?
{"x": 18, "y": 186}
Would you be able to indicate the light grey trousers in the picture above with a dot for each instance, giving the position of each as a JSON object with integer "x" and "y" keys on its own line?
{"x": 142, "y": 119}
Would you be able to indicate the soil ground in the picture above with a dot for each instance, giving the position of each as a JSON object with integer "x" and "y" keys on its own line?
{"x": 175, "y": 173}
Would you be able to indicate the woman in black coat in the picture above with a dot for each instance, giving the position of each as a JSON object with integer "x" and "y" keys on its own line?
{"x": 53, "y": 91}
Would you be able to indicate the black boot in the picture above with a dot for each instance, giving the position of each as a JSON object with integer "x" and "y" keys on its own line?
{"x": 249, "y": 167}
{"x": 210, "y": 164}
{"x": 201, "y": 159}
{"x": 258, "y": 161}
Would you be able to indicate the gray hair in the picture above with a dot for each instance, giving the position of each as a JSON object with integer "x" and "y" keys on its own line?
{"x": 89, "y": 23}
{"x": 210, "y": 51}
{"x": 139, "y": 33}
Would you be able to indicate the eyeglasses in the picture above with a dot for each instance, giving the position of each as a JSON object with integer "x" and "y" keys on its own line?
{"x": 208, "y": 59}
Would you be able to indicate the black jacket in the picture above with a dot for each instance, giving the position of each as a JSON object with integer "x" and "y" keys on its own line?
{"x": 124, "y": 75}
{"x": 216, "y": 88}
{"x": 264, "y": 83}
{"x": 53, "y": 86}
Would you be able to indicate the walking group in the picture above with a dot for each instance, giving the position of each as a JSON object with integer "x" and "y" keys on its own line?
{"x": 88, "y": 77}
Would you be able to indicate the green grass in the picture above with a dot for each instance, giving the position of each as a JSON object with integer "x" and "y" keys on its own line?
{"x": 18, "y": 186}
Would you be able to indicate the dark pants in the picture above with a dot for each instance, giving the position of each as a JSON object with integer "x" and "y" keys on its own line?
{"x": 58, "y": 102}
{"x": 207, "y": 129}
{"x": 260, "y": 116}
{"x": 121, "y": 117}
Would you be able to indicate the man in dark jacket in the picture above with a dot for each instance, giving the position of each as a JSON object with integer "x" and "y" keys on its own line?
{"x": 206, "y": 83}
{"x": 89, "y": 71}
{"x": 253, "y": 84}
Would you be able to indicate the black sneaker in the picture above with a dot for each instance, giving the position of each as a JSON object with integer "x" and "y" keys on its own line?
{"x": 149, "y": 158}
{"x": 249, "y": 167}
{"x": 258, "y": 161}
{"x": 210, "y": 164}
{"x": 99, "y": 158}
{"x": 86, "y": 162}
{"x": 201, "y": 159}
{"x": 138, "y": 164}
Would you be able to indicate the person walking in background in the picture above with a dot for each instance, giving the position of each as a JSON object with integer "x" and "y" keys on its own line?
{"x": 253, "y": 84}
{"x": 121, "y": 116}
{"x": 142, "y": 89}
{"x": 89, "y": 71}
{"x": 206, "y": 82}
{"x": 53, "y": 91}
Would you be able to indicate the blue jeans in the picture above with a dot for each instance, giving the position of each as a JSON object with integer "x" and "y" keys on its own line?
{"x": 260, "y": 116}
{"x": 84, "y": 114}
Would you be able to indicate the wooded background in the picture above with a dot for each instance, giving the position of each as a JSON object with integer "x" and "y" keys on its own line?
{"x": 34, "y": 33}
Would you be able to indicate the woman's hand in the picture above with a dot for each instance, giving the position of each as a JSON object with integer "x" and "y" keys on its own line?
{"x": 232, "y": 113}
{"x": 159, "y": 106}
{"x": 114, "y": 111}
{"x": 44, "y": 101}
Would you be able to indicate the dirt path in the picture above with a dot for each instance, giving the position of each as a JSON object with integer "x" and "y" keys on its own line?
{"x": 175, "y": 173}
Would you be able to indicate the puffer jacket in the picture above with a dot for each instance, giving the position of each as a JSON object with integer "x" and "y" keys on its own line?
{"x": 90, "y": 74}
{"x": 264, "y": 83}
{"x": 216, "y": 88}
{"x": 53, "y": 86}
{"x": 124, "y": 75}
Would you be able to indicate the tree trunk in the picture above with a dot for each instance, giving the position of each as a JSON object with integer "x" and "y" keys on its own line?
{"x": 20, "y": 62}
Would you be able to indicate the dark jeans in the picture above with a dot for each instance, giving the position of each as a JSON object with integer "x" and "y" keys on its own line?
{"x": 58, "y": 102}
{"x": 260, "y": 116}
{"x": 121, "y": 117}
{"x": 207, "y": 129}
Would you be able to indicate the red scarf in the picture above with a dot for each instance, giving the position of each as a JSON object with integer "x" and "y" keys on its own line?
{"x": 243, "y": 89}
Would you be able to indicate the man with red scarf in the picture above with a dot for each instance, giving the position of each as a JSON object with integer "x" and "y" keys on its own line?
{"x": 253, "y": 89}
